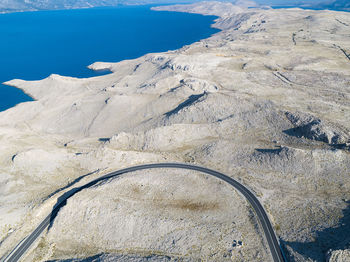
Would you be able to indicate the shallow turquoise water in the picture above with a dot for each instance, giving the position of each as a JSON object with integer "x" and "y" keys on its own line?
{"x": 34, "y": 45}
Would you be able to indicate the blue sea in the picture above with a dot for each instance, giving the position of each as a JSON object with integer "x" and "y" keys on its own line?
{"x": 34, "y": 45}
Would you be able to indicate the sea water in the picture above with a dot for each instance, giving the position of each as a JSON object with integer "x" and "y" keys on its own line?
{"x": 34, "y": 45}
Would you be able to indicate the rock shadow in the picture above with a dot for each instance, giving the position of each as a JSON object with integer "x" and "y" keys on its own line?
{"x": 104, "y": 139}
{"x": 124, "y": 258}
{"x": 295, "y": 132}
{"x": 300, "y": 132}
{"x": 269, "y": 151}
{"x": 332, "y": 238}
{"x": 62, "y": 200}
{"x": 305, "y": 131}
{"x": 89, "y": 259}
{"x": 341, "y": 146}
{"x": 72, "y": 183}
{"x": 190, "y": 100}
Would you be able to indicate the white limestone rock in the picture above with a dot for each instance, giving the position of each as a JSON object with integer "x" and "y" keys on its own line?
{"x": 339, "y": 256}
{"x": 265, "y": 101}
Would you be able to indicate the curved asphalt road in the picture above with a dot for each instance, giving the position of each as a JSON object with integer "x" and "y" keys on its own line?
{"x": 271, "y": 238}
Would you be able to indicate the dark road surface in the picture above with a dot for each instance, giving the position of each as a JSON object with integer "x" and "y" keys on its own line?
{"x": 265, "y": 223}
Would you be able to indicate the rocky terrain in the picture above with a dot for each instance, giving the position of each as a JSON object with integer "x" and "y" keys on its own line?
{"x": 265, "y": 101}
{"x": 35, "y": 5}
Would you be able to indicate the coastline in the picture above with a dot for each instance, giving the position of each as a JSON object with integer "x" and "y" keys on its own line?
{"x": 58, "y": 9}
{"x": 36, "y": 70}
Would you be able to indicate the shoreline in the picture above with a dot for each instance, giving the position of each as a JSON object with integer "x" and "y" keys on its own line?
{"x": 155, "y": 5}
{"x": 64, "y": 9}
{"x": 96, "y": 73}
{"x": 84, "y": 8}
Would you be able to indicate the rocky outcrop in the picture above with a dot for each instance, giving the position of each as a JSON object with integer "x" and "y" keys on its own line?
{"x": 339, "y": 256}
{"x": 314, "y": 128}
